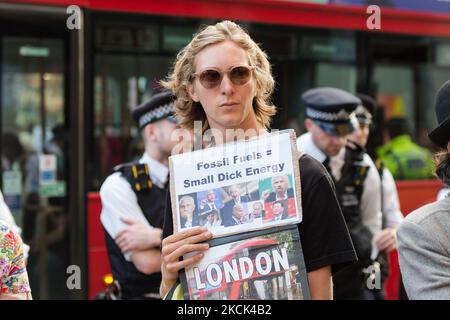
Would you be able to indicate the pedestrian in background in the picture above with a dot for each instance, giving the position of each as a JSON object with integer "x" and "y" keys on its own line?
{"x": 404, "y": 158}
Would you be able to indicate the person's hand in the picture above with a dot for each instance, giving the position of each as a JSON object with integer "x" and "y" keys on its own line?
{"x": 386, "y": 239}
{"x": 137, "y": 236}
{"x": 177, "y": 245}
{"x": 265, "y": 195}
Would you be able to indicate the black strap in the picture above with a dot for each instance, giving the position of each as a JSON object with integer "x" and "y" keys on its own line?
{"x": 326, "y": 164}
{"x": 169, "y": 295}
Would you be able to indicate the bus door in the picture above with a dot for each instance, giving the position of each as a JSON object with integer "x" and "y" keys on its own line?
{"x": 35, "y": 147}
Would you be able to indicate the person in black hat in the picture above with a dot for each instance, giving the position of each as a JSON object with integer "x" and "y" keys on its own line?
{"x": 133, "y": 202}
{"x": 330, "y": 119}
{"x": 424, "y": 235}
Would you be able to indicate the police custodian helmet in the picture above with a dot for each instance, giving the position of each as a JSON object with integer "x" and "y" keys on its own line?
{"x": 332, "y": 110}
{"x": 364, "y": 112}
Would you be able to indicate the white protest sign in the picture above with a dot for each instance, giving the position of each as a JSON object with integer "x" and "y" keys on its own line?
{"x": 238, "y": 187}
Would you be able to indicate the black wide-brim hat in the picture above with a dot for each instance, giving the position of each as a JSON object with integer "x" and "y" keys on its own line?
{"x": 441, "y": 134}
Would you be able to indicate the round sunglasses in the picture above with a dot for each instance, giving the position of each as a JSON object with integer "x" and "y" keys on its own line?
{"x": 212, "y": 78}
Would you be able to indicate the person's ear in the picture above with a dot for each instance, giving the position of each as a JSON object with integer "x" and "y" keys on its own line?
{"x": 192, "y": 92}
{"x": 150, "y": 131}
{"x": 448, "y": 146}
{"x": 308, "y": 124}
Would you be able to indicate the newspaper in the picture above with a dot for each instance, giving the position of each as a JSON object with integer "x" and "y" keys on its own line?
{"x": 264, "y": 265}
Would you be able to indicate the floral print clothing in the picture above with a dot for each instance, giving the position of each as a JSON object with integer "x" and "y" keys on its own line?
{"x": 13, "y": 274}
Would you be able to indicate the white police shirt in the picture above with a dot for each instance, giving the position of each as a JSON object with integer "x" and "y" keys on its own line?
{"x": 120, "y": 201}
{"x": 371, "y": 196}
{"x": 392, "y": 215}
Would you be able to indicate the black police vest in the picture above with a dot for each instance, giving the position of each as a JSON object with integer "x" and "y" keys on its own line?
{"x": 349, "y": 190}
{"x": 349, "y": 283}
{"x": 151, "y": 199}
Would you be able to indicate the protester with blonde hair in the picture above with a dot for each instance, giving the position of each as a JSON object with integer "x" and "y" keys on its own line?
{"x": 223, "y": 79}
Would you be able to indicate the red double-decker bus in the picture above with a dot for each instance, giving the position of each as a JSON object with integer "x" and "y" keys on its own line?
{"x": 69, "y": 77}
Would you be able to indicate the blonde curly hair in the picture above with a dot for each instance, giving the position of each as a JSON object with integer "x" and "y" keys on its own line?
{"x": 180, "y": 77}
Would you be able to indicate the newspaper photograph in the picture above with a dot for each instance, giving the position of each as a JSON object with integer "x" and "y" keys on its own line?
{"x": 264, "y": 267}
{"x": 238, "y": 187}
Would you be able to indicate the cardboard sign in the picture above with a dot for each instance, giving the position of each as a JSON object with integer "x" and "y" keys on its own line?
{"x": 238, "y": 187}
{"x": 258, "y": 266}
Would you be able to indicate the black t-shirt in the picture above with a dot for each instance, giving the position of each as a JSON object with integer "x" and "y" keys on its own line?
{"x": 324, "y": 235}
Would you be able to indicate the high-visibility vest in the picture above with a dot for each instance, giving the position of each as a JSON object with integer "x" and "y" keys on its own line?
{"x": 175, "y": 293}
{"x": 406, "y": 160}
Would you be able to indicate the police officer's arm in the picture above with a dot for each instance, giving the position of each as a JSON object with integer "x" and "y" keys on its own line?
{"x": 148, "y": 261}
{"x": 320, "y": 284}
{"x": 137, "y": 236}
{"x": 387, "y": 239}
{"x": 371, "y": 199}
{"x": 118, "y": 202}
{"x": 391, "y": 204}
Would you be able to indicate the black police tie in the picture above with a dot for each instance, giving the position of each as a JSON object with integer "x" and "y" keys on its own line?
{"x": 326, "y": 164}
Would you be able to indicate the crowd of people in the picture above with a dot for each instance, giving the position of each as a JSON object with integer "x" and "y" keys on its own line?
{"x": 350, "y": 202}
{"x": 351, "y": 211}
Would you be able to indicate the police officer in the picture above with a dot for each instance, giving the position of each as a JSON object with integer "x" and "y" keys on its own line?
{"x": 133, "y": 201}
{"x": 405, "y": 159}
{"x": 330, "y": 118}
{"x": 386, "y": 240}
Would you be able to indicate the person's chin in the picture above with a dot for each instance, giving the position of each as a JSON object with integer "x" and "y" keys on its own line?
{"x": 332, "y": 153}
{"x": 231, "y": 121}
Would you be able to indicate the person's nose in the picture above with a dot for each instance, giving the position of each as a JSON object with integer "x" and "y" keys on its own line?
{"x": 226, "y": 86}
{"x": 337, "y": 140}
{"x": 334, "y": 140}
